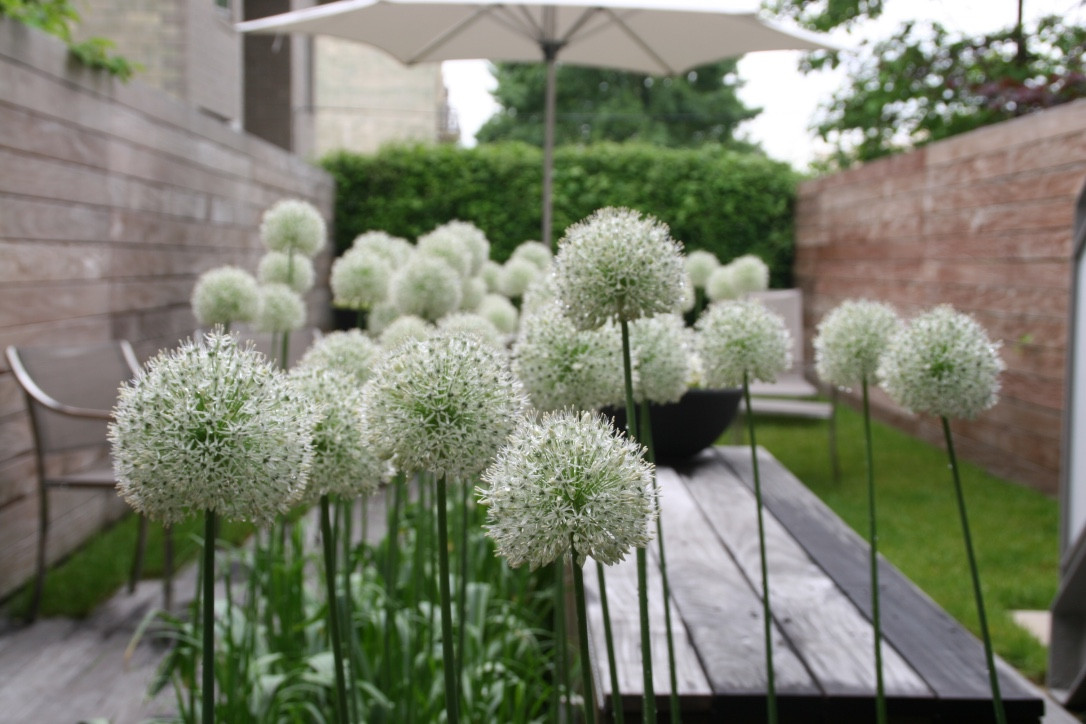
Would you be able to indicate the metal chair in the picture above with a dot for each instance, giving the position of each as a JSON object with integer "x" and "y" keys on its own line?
{"x": 70, "y": 393}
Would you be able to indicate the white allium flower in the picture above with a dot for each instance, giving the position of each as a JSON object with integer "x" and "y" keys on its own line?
{"x": 700, "y": 264}
{"x": 342, "y": 464}
{"x": 472, "y": 324}
{"x": 474, "y": 240}
{"x": 281, "y": 309}
{"x": 561, "y": 366}
{"x": 541, "y": 294}
{"x": 491, "y": 274}
{"x": 225, "y": 295}
{"x": 394, "y": 250}
{"x": 851, "y": 340}
{"x": 444, "y": 404}
{"x": 943, "y": 364}
{"x": 618, "y": 265}
{"x": 661, "y": 346}
{"x": 750, "y": 274}
{"x": 536, "y": 252}
{"x": 450, "y": 247}
{"x": 568, "y": 478}
{"x": 743, "y": 337}
{"x": 689, "y": 293}
{"x": 473, "y": 291}
{"x": 296, "y": 271}
{"x": 721, "y": 286}
{"x": 517, "y": 276}
{"x": 500, "y": 311}
{"x": 211, "y": 426}
{"x": 359, "y": 279}
{"x": 349, "y": 352}
{"x": 380, "y": 317}
{"x": 293, "y": 225}
{"x": 405, "y": 328}
{"x": 427, "y": 287}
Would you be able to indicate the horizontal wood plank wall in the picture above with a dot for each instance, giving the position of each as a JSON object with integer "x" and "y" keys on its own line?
{"x": 113, "y": 199}
{"x": 983, "y": 222}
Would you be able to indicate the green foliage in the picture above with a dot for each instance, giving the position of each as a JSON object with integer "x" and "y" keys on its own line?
{"x": 925, "y": 83}
{"x": 57, "y": 17}
{"x": 713, "y": 198}
{"x": 595, "y": 104}
{"x": 823, "y": 15}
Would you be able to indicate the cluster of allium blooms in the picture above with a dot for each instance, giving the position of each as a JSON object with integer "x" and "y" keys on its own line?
{"x": 473, "y": 290}
{"x": 350, "y": 352}
{"x": 500, "y": 311}
{"x": 721, "y": 285}
{"x": 293, "y": 226}
{"x": 359, "y": 279}
{"x": 851, "y": 340}
{"x": 427, "y": 287}
{"x": 699, "y": 265}
{"x": 542, "y": 293}
{"x": 342, "y": 464}
{"x": 662, "y": 347}
{"x": 516, "y": 276}
{"x": 381, "y": 316}
{"x": 491, "y": 274}
{"x": 448, "y": 246}
{"x": 281, "y": 309}
{"x": 211, "y": 426}
{"x": 750, "y": 274}
{"x": 473, "y": 238}
{"x": 617, "y": 264}
{"x": 404, "y": 329}
{"x": 561, "y": 366}
{"x": 295, "y": 271}
{"x": 535, "y": 252}
{"x": 568, "y": 477}
{"x": 472, "y": 324}
{"x": 224, "y": 296}
{"x": 444, "y": 404}
{"x": 392, "y": 249}
{"x": 942, "y": 363}
{"x": 742, "y": 339}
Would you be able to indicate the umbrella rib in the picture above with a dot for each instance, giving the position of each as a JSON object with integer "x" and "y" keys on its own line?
{"x": 447, "y": 35}
{"x": 621, "y": 24}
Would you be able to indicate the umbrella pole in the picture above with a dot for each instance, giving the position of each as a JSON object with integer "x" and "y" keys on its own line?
{"x": 550, "y": 54}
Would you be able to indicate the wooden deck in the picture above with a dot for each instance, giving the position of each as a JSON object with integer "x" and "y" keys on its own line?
{"x": 819, "y": 590}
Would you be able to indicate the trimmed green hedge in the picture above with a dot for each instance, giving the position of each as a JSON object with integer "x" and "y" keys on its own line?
{"x": 727, "y": 202}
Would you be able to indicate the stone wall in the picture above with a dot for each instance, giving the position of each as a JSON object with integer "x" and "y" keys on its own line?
{"x": 983, "y": 222}
{"x": 113, "y": 199}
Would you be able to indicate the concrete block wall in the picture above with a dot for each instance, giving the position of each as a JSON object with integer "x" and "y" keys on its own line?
{"x": 983, "y": 222}
{"x": 113, "y": 199}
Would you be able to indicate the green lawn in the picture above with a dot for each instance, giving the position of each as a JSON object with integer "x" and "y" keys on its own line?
{"x": 1015, "y": 530}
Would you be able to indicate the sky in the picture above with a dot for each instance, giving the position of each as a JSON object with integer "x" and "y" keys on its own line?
{"x": 789, "y": 99}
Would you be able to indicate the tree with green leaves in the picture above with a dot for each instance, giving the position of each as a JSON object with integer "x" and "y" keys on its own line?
{"x": 596, "y": 104}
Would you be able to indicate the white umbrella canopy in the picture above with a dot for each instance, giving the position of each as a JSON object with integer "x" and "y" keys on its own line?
{"x": 656, "y": 37}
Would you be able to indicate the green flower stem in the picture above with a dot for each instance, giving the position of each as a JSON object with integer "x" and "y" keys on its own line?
{"x": 609, "y": 639}
{"x": 391, "y": 572}
{"x": 993, "y": 676}
{"x": 588, "y": 697}
{"x": 673, "y": 699}
{"x": 347, "y": 508}
{"x": 876, "y": 618}
{"x": 209, "y": 619}
{"x": 452, "y": 696}
{"x": 561, "y": 690}
{"x": 333, "y": 609}
{"x": 462, "y": 583}
{"x": 771, "y": 686}
{"x": 649, "y": 706}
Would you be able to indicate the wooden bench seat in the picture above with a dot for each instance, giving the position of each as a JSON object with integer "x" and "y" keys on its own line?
{"x": 934, "y": 669}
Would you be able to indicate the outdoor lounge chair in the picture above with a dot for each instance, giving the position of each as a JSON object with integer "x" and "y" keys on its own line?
{"x": 70, "y": 393}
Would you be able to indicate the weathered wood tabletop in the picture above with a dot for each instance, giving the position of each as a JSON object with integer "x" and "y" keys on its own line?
{"x": 934, "y": 669}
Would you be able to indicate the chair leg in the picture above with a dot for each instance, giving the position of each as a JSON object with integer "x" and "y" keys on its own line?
{"x": 137, "y": 561}
{"x": 167, "y": 568}
{"x": 43, "y": 535}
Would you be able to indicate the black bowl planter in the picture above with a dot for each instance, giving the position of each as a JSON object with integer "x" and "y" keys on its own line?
{"x": 685, "y": 428}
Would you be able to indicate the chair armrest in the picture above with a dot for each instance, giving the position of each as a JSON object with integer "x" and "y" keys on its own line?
{"x": 43, "y": 398}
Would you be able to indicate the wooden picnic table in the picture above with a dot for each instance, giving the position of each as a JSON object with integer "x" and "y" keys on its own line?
{"x": 819, "y": 571}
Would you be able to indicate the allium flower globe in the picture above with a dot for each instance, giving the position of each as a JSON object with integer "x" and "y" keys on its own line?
{"x": 380, "y": 317}
{"x": 517, "y": 275}
{"x": 281, "y": 309}
{"x": 689, "y": 294}
{"x": 444, "y": 404}
{"x": 293, "y": 225}
{"x": 359, "y": 280}
{"x": 211, "y": 426}
{"x": 750, "y": 274}
{"x": 700, "y": 264}
{"x": 617, "y": 264}
{"x": 472, "y": 293}
{"x": 535, "y": 252}
{"x": 661, "y": 346}
{"x": 342, "y": 464}
{"x": 279, "y": 268}
{"x": 392, "y": 249}
{"x": 721, "y": 286}
{"x": 500, "y": 311}
{"x": 448, "y": 246}
{"x": 474, "y": 240}
{"x": 404, "y": 329}
{"x": 349, "y": 352}
{"x": 540, "y": 295}
{"x": 491, "y": 274}
{"x": 472, "y": 324}
{"x": 568, "y": 477}
{"x": 943, "y": 364}
{"x": 427, "y": 287}
{"x": 224, "y": 296}
{"x": 742, "y": 339}
{"x": 851, "y": 340}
